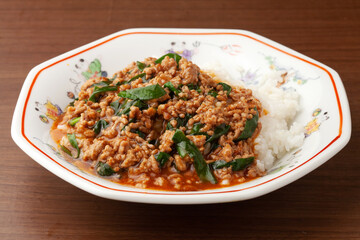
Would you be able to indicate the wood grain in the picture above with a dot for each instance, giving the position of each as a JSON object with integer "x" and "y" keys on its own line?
{"x": 35, "y": 204}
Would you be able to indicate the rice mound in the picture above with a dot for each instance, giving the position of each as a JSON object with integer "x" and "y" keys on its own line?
{"x": 280, "y": 133}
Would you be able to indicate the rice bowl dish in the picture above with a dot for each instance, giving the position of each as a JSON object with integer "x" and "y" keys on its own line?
{"x": 164, "y": 124}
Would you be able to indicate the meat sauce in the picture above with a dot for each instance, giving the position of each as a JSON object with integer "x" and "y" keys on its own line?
{"x": 206, "y": 129}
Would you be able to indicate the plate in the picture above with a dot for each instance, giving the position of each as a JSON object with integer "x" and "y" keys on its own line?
{"x": 51, "y": 85}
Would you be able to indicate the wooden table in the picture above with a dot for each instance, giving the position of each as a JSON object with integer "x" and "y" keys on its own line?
{"x": 35, "y": 204}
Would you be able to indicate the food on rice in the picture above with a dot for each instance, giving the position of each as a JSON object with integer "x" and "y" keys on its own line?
{"x": 164, "y": 124}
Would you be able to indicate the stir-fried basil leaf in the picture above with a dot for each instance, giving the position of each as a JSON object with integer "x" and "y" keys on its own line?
{"x": 140, "y": 133}
{"x": 137, "y": 103}
{"x": 186, "y": 147}
{"x": 99, "y": 125}
{"x": 67, "y": 151}
{"x": 218, "y": 132}
{"x": 113, "y": 78}
{"x": 237, "y": 164}
{"x": 226, "y": 88}
{"x": 144, "y": 93}
{"x": 142, "y": 76}
{"x": 104, "y": 169}
{"x": 73, "y": 142}
{"x": 170, "y": 55}
{"x": 73, "y": 121}
{"x": 196, "y": 130}
{"x": 180, "y": 122}
{"x": 102, "y": 83}
{"x": 72, "y": 103}
{"x": 192, "y": 86}
{"x": 172, "y": 88}
{"x": 213, "y": 93}
{"x": 141, "y": 66}
{"x": 116, "y": 106}
{"x": 250, "y": 127}
{"x": 98, "y": 90}
{"x": 124, "y": 108}
{"x": 162, "y": 158}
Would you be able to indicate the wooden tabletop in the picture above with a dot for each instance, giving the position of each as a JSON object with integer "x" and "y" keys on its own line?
{"x": 35, "y": 204}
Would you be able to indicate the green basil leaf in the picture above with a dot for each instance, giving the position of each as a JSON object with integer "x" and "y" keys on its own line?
{"x": 141, "y": 75}
{"x": 113, "y": 78}
{"x": 162, "y": 158}
{"x": 98, "y": 90}
{"x": 141, "y": 66}
{"x": 181, "y": 148}
{"x": 73, "y": 121}
{"x": 180, "y": 122}
{"x": 102, "y": 83}
{"x": 186, "y": 147}
{"x": 116, "y": 106}
{"x": 170, "y": 55}
{"x": 213, "y": 93}
{"x": 73, "y": 142}
{"x": 138, "y": 132}
{"x": 100, "y": 125}
{"x": 72, "y": 103}
{"x": 67, "y": 151}
{"x": 250, "y": 127}
{"x": 124, "y": 108}
{"x": 144, "y": 93}
{"x": 192, "y": 86}
{"x": 226, "y": 88}
{"x": 196, "y": 128}
{"x": 171, "y": 87}
{"x": 237, "y": 164}
{"x": 219, "y": 131}
{"x": 104, "y": 169}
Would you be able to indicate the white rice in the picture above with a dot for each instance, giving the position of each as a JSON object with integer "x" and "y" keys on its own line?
{"x": 280, "y": 133}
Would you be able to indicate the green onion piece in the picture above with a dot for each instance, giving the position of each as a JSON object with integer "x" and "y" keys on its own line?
{"x": 171, "y": 87}
{"x": 226, "y": 88}
{"x": 162, "y": 158}
{"x": 141, "y": 66}
{"x": 170, "y": 55}
{"x": 144, "y": 93}
{"x": 98, "y": 90}
{"x": 104, "y": 169}
{"x": 218, "y": 132}
{"x": 99, "y": 125}
{"x": 73, "y": 121}
{"x": 237, "y": 164}
{"x": 213, "y": 93}
{"x": 186, "y": 147}
{"x": 250, "y": 127}
{"x": 67, "y": 151}
{"x": 73, "y": 142}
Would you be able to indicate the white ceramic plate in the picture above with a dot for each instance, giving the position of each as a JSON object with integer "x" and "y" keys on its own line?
{"x": 50, "y": 86}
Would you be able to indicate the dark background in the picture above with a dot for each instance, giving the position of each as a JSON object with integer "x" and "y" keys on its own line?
{"x": 35, "y": 204}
